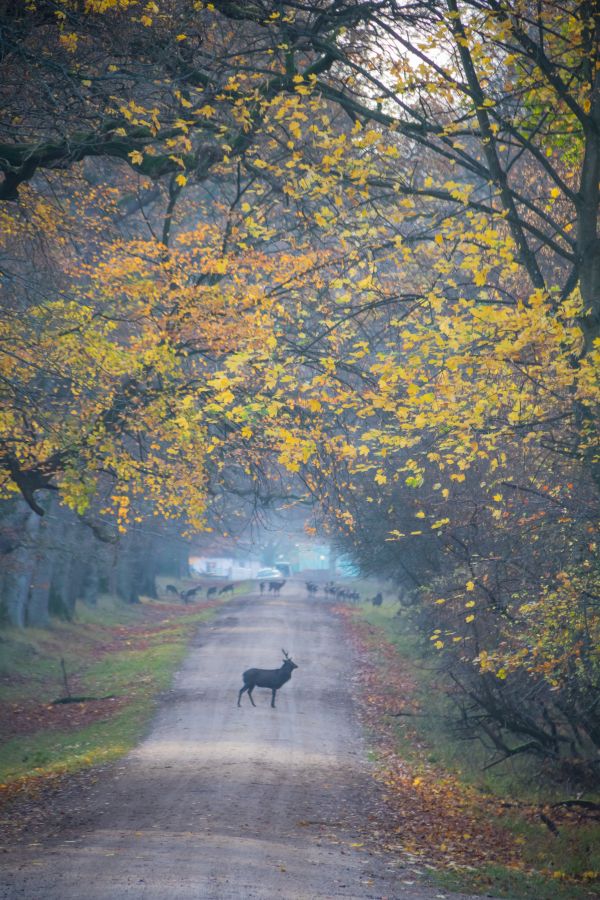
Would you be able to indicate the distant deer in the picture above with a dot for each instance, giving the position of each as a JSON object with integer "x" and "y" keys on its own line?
{"x": 267, "y": 678}
{"x": 186, "y": 596}
{"x": 275, "y": 587}
{"x": 228, "y": 589}
{"x": 211, "y": 592}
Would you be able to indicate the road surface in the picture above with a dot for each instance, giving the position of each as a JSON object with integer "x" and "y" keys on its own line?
{"x": 220, "y": 802}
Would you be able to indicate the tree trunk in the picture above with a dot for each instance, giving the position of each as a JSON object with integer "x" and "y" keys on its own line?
{"x": 63, "y": 590}
{"x": 68, "y": 543}
{"x": 38, "y": 603}
{"x": 91, "y": 582}
{"x": 588, "y": 244}
{"x": 19, "y": 564}
{"x": 123, "y": 575}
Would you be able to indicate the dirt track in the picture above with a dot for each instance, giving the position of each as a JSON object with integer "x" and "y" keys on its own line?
{"x": 221, "y": 802}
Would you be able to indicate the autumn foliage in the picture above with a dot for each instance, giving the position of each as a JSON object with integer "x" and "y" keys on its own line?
{"x": 346, "y": 251}
{"x": 430, "y": 815}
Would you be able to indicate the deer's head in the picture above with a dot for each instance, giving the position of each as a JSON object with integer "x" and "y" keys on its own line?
{"x": 287, "y": 661}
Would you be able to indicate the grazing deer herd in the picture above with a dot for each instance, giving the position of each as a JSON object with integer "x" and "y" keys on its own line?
{"x": 330, "y": 589}
{"x": 190, "y": 593}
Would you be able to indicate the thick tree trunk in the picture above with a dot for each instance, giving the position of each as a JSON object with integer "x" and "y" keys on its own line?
{"x": 91, "y": 582}
{"x": 588, "y": 200}
{"x": 48, "y": 563}
{"x": 18, "y": 565}
{"x": 588, "y": 244}
{"x": 68, "y": 542}
{"x": 124, "y": 577}
{"x": 588, "y": 256}
{"x": 63, "y": 593}
{"x": 124, "y": 581}
{"x": 146, "y": 565}
{"x": 38, "y": 604}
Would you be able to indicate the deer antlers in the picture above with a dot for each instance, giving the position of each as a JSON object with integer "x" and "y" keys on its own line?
{"x": 285, "y": 653}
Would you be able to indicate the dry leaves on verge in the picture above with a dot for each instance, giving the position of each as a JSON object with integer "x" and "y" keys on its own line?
{"x": 426, "y": 811}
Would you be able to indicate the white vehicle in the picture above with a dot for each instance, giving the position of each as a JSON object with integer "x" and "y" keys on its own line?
{"x": 267, "y": 574}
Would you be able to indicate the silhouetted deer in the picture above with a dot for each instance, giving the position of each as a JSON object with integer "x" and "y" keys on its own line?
{"x": 275, "y": 587}
{"x": 186, "y": 596}
{"x": 228, "y": 589}
{"x": 211, "y": 592}
{"x": 267, "y": 678}
{"x": 377, "y": 599}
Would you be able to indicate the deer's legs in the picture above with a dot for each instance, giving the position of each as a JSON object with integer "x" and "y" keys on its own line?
{"x": 249, "y": 689}
{"x": 274, "y": 691}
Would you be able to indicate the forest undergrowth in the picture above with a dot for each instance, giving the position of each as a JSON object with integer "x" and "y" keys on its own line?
{"x": 442, "y": 808}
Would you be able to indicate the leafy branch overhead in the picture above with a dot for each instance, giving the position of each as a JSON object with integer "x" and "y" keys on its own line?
{"x": 343, "y": 249}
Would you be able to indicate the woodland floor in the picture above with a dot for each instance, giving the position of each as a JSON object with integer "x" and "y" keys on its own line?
{"x": 221, "y": 802}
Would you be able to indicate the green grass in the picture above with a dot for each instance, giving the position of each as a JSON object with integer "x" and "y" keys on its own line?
{"x": 128, "y": 652}
{"x": 109, "y": 611}
{"x": 30, "y": 658}
{"x": 571, "y": 852}
{"x": 500, "y": 881}
{"x": 45, "y": 753}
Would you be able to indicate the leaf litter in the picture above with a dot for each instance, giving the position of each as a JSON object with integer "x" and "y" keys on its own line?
{"x": 425, "y": 813}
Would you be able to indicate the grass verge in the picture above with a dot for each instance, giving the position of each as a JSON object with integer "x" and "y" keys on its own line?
{"x": 122, "y": 655}
{"x": 438, "y": 788}
{"x": 500, "y": 881}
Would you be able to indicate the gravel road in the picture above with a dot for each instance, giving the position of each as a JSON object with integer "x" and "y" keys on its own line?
{"x": 220, "y": 802}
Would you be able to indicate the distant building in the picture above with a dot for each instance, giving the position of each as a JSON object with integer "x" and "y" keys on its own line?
{"x": 224, "y": 567}
{"x": 226, "y": 559}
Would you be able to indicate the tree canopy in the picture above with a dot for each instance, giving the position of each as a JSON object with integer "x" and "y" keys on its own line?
{"x": 355, "y": 243}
